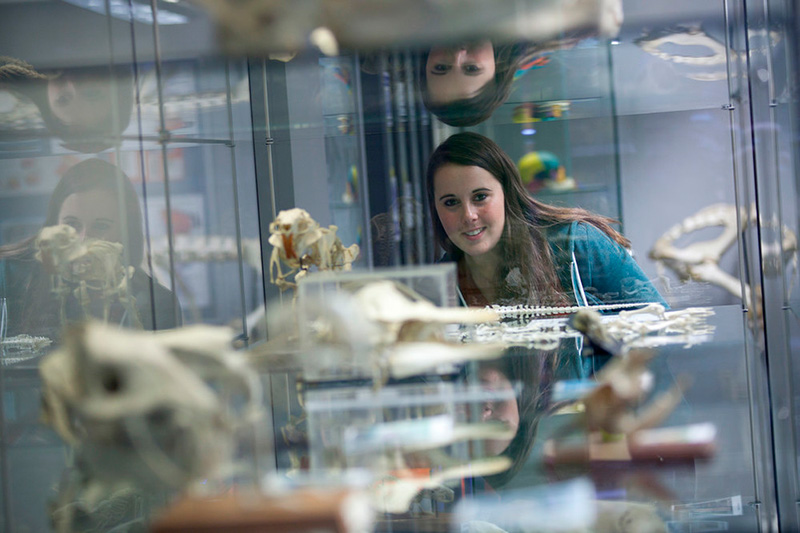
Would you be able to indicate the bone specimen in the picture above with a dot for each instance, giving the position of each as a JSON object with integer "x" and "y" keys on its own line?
{"x": 395, "y": 494}
{"x": 528, "y": 311}
{"x": 700, "y": 260}
{"x": 25, "y": 343}
{"x": 533, "y": 326}
{"x": 21, "y": 347}
{"x": 88, "y": 270}
{"x": 650, "y": 326}
{"x": 299, "y": 243}
{"x": 266, "y": 26}
{"x": 622, "y": 384}
{"x": 540, "y": 334}
{"x": 154, "y": 411}
{"x": 405, "y": 316}
{"x": 404, "y": 332}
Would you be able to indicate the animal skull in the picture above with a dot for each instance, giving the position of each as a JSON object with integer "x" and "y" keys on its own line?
{"x": 58, "y": 246}
{"x": 299, "y": 242}
{"x": 139, "y": 407}
{"x": 90, "y": 270}
{"x": 399, "y": 331}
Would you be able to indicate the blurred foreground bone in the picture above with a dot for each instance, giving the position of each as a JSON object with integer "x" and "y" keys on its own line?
{"x": 153, "y": 411}
{"x": 269, "y": 26}
{"x": 400, "y": 332}
{"x": 412, "y": 330}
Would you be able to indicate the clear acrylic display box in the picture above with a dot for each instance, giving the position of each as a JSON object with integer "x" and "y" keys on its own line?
{"x": 381, "y": 428}
{"x": 335, "y": 336}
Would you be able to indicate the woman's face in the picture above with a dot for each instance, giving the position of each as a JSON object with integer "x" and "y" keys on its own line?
{"x": 79, "y": 101}
{"x": 471, "y": 207}
{"x": 505, "y": 411}
{"x": 460, "y": 72}
{"x": 93, "y": 214}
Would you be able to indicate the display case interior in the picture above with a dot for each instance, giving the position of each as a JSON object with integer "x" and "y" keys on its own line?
{"x": 409, "y": 266}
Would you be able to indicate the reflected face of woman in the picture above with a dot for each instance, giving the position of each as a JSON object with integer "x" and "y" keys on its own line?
{"x": 505, "y": 411}
{"x": 84, "y": 101}
{"x": 470, "y": 204}
{"x": 93, "y": 214}
{"x": 460, "y": 72}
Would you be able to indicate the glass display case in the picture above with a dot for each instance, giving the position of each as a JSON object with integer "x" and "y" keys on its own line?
{"x": 255, "y": 253}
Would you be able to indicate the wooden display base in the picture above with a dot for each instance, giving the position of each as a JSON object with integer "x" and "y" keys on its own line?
{"x": 306, "y": 510}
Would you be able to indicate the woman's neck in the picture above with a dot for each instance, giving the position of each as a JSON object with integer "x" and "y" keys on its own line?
{"x": 484, "y": 270}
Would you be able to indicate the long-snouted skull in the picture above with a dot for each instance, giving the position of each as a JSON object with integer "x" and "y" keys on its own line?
{"x": 134, "y": 408}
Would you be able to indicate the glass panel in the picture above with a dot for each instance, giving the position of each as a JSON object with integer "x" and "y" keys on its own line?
{"x": 471, "y": 259}
{"x": 127, "y": 196}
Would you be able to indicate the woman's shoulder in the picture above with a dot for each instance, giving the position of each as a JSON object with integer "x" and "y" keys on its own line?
{"x": 587, "y": 233}
{"x": 572, "y": 230}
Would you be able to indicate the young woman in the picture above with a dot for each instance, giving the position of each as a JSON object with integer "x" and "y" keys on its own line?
{"x": 513, "y": 249}
{"x": 98, "y": 200}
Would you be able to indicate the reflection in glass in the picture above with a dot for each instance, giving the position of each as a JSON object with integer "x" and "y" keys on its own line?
{"x": 463, "y": 84}
{"x": 87, "y": 108}
{"x": 93, "y": 203}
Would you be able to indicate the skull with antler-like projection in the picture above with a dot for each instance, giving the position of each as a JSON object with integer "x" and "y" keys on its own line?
{"x": 299, "y": 242}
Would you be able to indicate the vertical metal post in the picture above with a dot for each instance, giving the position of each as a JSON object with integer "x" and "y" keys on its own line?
{"x": 237, "y": 215}
{"x": 742, "y": 101}
{"x": 363, "y": 181}
{"x": 164, "y": 139}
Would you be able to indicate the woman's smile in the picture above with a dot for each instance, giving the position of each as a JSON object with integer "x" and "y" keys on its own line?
{"x": 474, "y": 234}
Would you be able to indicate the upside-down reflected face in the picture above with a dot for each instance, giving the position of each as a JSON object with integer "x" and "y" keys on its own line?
{"x": 471, "y": 206}
{"x": 459, "y": 72}
{"x": 80, "y": 100}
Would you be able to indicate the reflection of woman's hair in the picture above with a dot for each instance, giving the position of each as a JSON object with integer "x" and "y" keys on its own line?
{"x": 533, "y": 374}
{"x": 523, "y": 244}
{"x": 508, "y": 58}
{"x": 25, "y": 80}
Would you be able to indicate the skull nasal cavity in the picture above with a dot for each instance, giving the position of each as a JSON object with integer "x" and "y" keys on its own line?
{"x": 112, "y": 381}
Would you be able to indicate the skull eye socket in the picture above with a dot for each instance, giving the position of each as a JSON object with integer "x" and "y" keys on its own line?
{"x": 111, "y": 380}
{"x": 159, "y": 417}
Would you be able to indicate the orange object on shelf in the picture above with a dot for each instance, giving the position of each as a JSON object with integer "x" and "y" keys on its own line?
{"x": 331, "y": 511}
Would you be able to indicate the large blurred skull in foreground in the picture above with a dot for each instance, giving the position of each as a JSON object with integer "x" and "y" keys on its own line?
{"x": 271, "y": 26}
{"x": 153, "y": 411}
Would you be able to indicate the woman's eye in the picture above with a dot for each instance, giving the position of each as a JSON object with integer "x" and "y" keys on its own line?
{"x": 101, "y": 226}
{"x": 73, "y": 223}
{"x": 440, "y": 68}
{"x": 480, "y": 197}
{"x": 450, "y": 202}
{"x": 472, "y": 69}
